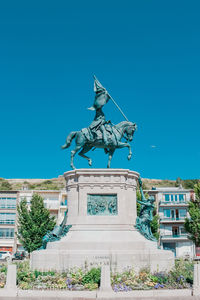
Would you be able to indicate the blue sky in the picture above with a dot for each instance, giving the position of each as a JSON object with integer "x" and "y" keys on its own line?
{"x": 146, "y": 53}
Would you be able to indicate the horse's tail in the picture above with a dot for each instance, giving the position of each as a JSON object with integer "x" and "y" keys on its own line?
{"x": 69, "y": 139}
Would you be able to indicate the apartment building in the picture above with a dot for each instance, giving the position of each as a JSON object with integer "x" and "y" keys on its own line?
{"x": 54, "y": 200}
{"x": 172, "y": 207}
{"x": 8, "y": 204}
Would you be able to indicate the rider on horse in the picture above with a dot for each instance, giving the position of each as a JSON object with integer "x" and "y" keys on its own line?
{"x": 101, "y": 133}
{"x": 99, "y": 123}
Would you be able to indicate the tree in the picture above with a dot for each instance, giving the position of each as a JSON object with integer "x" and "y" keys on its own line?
{"x": 178, "y": 182}
{"x": 33, "y": 223}
{"x": 192, "y": 224}
{"x": 5, "y": 185}
{"x": 197, "y": 190}
{"x": 190, "y": 183}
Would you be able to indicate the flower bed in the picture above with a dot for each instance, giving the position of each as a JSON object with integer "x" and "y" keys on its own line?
{"x": 3, "y": 272}
{"x": 73, "y": 280}
{"x": 180, "y": 277}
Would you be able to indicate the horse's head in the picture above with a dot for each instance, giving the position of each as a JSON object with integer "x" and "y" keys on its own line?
{"x": 129, "y": 131}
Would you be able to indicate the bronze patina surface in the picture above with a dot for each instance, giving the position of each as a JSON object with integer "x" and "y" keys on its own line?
{"x": 101, "y": 133}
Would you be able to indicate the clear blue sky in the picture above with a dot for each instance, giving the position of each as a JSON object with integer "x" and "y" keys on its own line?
{"x": 146, "y": 53}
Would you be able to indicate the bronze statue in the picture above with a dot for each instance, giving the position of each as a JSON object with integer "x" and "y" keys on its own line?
{"x": 99, "y": 122}
{"x": 143, "y": 221}
{"x": 57, "y": 233}
{"x": 101, "y": 133}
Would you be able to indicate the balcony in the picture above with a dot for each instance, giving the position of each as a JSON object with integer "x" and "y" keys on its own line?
{"x": 183, "y": 236}
{"x": 173, "y": 203}
{"x": 7, "y": 206}
{"x": 63, "y": 205}
{"x": 172, "y": 220}
{"x": 7, "y": 237}
{"x": 52, "y": 205}
{"x": 7, "y": 221}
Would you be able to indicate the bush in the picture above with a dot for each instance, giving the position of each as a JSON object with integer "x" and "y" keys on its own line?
{"x": 39, "y": 273}
{"x": 92, "y": 276}
{"x": 5, "y": 185}
{"x": 182, "y": 271}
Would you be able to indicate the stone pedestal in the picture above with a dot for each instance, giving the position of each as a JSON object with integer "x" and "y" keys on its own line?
{"x": 196, "y": 281}
{"x": 102, "y": 212}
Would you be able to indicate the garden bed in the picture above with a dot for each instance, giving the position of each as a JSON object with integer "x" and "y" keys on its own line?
{"x": 180, "y": 277}
{"x": 73, "y": 280}
{"x": 3, "y": 272}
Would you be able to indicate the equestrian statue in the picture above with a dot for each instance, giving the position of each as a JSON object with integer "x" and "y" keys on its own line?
{"x": 101, "y": 133}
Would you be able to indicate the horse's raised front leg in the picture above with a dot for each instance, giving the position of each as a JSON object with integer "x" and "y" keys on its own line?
{"x": 73, "y": 152}
{"x": 111, "y": 152}
{"x": 123, "y": 145}
{"x": 85, "y": 150}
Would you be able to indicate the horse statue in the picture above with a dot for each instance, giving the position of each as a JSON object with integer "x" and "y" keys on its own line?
{"x": 85, "y": 140}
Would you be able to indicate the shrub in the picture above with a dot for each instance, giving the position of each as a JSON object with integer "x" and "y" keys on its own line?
{"x": 5, "y": 185}
{"x": 92, "y": 276}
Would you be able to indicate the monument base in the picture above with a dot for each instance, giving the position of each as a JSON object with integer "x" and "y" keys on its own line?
{"x": 102, "y": 212}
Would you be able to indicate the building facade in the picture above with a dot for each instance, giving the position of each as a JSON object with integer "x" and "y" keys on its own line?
{"x": 172, "y": 207}
{"x": 8, "y": 204}
{"x": 54, "y": 200}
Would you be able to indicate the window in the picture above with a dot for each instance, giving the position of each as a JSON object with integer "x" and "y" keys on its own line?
{"x": 176, "y": 197}
{"x": 8, "y": 202}
{"x": 6, "y": 233}
{"x": 7, "y": 218}
{"x": 166, "y": 197}
{"x": 183, "y": 231}
{"x": 64, "y": 201}
{"x": 181, "y": 197}
{"x": 167, "y": 213}
{"x": 175, "y": 230}
{"x": 182, "y": 213}
{"x": 172, "y": 197}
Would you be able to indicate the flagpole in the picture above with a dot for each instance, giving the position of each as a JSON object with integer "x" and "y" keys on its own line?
{"x": 114, "y": 102}
{"x": 118, "y": 107}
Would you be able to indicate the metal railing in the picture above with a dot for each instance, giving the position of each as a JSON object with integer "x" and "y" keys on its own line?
{"x": 51, "y": 205}
{"x": 175, "y": 236}
{"x": 7, "y": 221}
{"x": 8, "y": 206}
{"x": 173, "y": 219}
{"x": 173, "y": 203}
